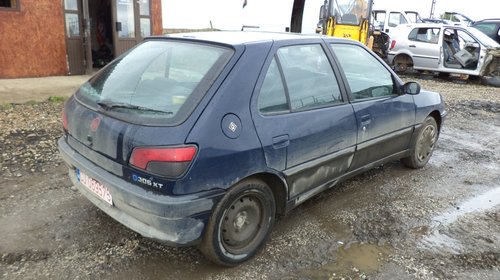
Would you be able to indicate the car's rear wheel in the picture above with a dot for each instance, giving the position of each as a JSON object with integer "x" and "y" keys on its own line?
{"x": 424, "y": 144}
{"x": 402, "y": 62}
{"x": 240, "y": 224}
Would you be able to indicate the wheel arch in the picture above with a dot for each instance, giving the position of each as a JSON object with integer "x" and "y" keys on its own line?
{"x": 278, "y": 187}
{"x": 437, "y": 116}
{"x": 402, "y": 58}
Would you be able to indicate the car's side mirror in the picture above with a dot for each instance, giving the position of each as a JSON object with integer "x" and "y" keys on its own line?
{"x": 411, "y": 88}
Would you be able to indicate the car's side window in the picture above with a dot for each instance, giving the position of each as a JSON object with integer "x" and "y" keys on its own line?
{"x": 366, "y": 76}
{"x": 309, "y": 77}
{"x": 426, "y": 35}
{"x": 272, "y": 97}
{"x": 379, "y": 19}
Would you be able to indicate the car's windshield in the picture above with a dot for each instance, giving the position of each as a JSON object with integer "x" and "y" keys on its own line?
{"x": 483, "y": 38}
{"x": 157, "y": 79}
{"x": 488, "y": 28}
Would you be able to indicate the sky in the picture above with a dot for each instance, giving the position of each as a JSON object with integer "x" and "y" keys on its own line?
{"x": 274, "y": 15}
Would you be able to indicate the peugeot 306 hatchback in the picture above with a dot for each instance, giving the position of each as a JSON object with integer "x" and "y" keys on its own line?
{"x": 204, "y": 138}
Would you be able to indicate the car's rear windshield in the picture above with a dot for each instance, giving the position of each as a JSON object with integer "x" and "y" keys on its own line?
{"x": 158, "y": 82}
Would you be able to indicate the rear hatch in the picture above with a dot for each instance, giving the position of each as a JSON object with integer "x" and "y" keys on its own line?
{"x": 141, "y": 104}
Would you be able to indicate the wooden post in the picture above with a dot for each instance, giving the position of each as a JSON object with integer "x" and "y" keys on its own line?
{"x": 87, "y": 40}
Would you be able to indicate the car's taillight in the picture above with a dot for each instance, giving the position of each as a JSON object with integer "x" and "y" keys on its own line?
{"x": 64, "y": 119}
{"x": 393, "y": 44}
{"x": 164, "y": 161}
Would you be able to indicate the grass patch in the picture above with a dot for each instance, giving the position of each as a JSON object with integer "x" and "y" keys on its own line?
{"x": 6, "y": 106}
{"x": 57, "y": 99}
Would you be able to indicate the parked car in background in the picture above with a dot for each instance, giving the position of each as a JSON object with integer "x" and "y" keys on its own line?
{"x": 414, "y": 16}
{"x": 435, "y": 20}
{"x": 490, "y": 27}
{"x": 457, "y": 19}
{"x": 203, "y": 138}
{"x": 446, "y": 49}
{"x": 386, "y": 20}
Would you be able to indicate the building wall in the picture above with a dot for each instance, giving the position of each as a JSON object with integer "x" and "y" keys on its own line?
{"x": 32, "y": 42}
{"x": 32, "y": 39}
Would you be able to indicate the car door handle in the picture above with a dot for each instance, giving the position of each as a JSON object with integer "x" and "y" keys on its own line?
{"x": 281, "y": 141}
{"x": 412, "y": 46}
{"x": 366, "y": 120}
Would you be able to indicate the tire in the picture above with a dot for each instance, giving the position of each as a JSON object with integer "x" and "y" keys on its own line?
{"x": 423, "y": 145}
{"x": 491, "y": 81}
{"x": 240, "y": 224}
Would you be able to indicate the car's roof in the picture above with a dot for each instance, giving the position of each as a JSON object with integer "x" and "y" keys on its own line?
{"x": 488, "y": 20}
{"x": 430, "y": 24}
{"x": 391, "y": 10}
{"x": 241, "y": 37}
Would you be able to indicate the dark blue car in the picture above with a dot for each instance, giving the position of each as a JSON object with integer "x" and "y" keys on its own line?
{"x": 204, "y": 138}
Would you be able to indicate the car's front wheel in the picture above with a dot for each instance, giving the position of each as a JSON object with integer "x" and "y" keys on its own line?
{"x": 424, "y": 144}
{"x": 240, "y": 224}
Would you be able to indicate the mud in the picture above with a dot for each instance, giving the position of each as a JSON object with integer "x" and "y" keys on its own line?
{"x": 439, "y": 222}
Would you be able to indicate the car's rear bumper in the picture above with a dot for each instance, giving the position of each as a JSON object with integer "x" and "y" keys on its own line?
{"x": 175, "y": 220}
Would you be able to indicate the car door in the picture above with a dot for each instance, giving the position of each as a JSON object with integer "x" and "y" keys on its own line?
{"x": 423, "y": 43}
{"x": 462, "y": 51}
{"x": 303, "y": 120}
{"x": 394, "y": 19}
{"x": 385, "y": 118}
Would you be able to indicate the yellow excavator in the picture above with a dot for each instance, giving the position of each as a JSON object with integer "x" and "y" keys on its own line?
{"x": 346, "y": 19}
{"x": 343, "y": 18}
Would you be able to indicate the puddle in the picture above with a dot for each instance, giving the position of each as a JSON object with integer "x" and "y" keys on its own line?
{"x": 352, "y": 260}
{"x": 436, "y": 237}
{"x": 478, "y": 203}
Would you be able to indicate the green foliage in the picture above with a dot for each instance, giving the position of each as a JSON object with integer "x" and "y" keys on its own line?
{"x": 6, "y": 106}
{"x": 57, "y": 99}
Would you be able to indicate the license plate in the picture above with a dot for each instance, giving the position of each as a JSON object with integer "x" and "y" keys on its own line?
{"x": 95, "y": 186}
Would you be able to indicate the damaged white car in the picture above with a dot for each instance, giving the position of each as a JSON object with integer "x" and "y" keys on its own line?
{"x": 445, "y": 49}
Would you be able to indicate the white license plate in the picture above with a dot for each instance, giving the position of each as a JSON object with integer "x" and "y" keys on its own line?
{"x": 93, "y": 185}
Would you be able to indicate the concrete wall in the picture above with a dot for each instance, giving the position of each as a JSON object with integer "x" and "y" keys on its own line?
{"x": 32, "y": 42}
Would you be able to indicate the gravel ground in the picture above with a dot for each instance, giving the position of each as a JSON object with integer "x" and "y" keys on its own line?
{"x": 29, "y": 134}
{"x": 440, "y": 222}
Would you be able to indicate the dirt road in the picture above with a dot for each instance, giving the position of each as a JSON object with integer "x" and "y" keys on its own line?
{"x": 440, "y": 222}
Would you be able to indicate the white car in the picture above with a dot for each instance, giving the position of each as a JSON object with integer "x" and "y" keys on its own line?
{"x": 386, "y": 20}
{"x": 444, "y": 48}
{"x": 457, "y": 19}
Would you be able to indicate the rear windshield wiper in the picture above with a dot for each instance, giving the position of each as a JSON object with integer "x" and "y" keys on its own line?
{"x": 109, "y": 105}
